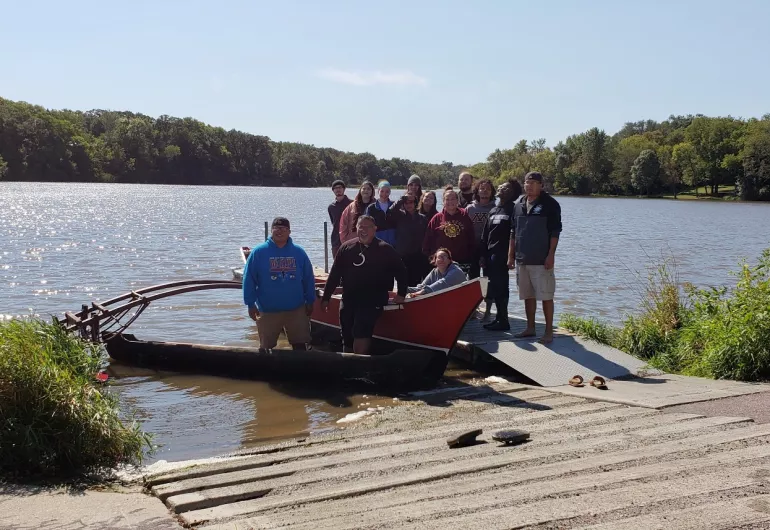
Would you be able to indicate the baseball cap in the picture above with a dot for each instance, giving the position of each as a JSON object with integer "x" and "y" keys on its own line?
{"x": 534, "y": 175}
{"x": 281, "y": 221}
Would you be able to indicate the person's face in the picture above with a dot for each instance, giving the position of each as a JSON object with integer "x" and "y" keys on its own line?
{"x": 409, "y": 203}
{"x": 384, "y": 194}
{"x": 429, "y": 201}
{"x": 365, "y": 231}
{"x": 450, "y": 201}
{"x": 339, "y": 191}
{"x": 280, "y": 234}
{"x": 532, "y": 187}
{"x": 465, "y": 182}
{"x": 413, "y": 188}
{"x": 366, "y": 193}
{"x": 485, "y": 191}
{"x": 442, "y": 260}
{"x": 504, "y": 192}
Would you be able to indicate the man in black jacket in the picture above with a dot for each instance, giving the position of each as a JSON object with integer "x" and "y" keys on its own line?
{"x": 495, "y": 240}
{"x": 336, "y": 208}
{"x": 535, "y": 234}
{"x": 367, "y": 267}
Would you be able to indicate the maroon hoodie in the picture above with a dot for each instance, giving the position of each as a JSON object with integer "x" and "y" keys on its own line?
{"x": 454, "y": 232}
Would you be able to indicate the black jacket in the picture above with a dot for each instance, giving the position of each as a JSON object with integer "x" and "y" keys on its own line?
{"x": 533, "y": 231}
{"x": 367, "y": 273}
{"x": 335, "y": 214}
{"x": 410, "y": 229}
{"x": 496, "y": 235}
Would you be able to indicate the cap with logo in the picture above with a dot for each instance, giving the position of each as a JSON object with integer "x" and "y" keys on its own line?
{"x": 534, "y": 175}
{"x": 281, "y": 221}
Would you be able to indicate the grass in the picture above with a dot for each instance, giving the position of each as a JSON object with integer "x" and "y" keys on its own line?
{"x": 719, "y": 333}
{"x": 55, "y": 419}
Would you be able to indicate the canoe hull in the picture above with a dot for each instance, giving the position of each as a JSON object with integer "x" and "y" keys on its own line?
{"x": 402, "y": 369}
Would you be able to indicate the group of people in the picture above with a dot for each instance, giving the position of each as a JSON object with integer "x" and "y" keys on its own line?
{"x": 377, "y": 241}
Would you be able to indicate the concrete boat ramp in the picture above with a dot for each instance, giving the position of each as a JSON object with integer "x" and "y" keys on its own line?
{"x": 588, "y": 464}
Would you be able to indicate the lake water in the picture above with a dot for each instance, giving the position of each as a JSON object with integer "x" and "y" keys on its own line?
{"x": 62, "y": 245}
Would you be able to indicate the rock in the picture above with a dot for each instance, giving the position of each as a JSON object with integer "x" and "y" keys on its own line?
{"x": 464, "y": 439}
{"x": 510, "y": 436}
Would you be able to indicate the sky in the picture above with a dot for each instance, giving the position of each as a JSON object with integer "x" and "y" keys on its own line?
{"x": 427, "y": 80}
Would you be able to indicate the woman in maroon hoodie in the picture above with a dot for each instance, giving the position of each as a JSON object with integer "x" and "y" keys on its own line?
{"x": 453, "y": 229}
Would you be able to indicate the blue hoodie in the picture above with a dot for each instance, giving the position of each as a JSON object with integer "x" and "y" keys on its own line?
{"x": 278, "y": 279}
{"x": 385, "y": 231}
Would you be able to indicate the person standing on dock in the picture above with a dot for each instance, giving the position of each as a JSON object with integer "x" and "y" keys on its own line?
{"x": 367, "y": 267}
{"x": 279, "y": 288}
{"x": 478, "y": 211}
{"x": 341, "y": 201}
{"x": 451, "y": 228}
{"x": 495, "y": 240}
{"x": 465, "y": 183}
{"x": 535, "y": 231}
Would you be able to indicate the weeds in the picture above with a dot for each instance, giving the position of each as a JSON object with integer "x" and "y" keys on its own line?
{"x": 55, "y": 419}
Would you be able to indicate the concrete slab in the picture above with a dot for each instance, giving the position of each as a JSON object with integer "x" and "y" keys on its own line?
{"x": 31, "y": 507}
{"x": 665, "y": 390}
{"x": 755, "y": 406}
{"x": 553, "y": 365}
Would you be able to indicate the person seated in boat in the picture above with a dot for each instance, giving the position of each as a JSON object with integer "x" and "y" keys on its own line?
{"x": 446, "y": 274}
{"x": 367, "y": 267}
{"x": 279, "y": 288}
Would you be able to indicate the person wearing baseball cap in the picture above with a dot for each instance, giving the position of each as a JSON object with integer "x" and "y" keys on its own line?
{"x": 341, "y": 201}
{"x": 279, "y": 288}
{"x": 535, "y": 229}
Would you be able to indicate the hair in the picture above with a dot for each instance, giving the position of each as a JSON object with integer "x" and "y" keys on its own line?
{"x": 365, "y": 218}
{"x": 517, "y": 189}
{"x": 444, "y": 250}
{"x": 465, "y": 173}
{"x": 433, "y": 210}
{"x": 419, "y": 190}
{"x": 478, "y": 185}
{"x": 448, "y": 189}
{"x": 360, "y": 206}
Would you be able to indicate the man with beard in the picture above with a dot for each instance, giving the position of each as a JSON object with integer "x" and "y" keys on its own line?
{"x": 367, "y": 267}
{"x": 336, "y": 208}
{"x": 495, "y": 240}
{"x": 465, "y": 183}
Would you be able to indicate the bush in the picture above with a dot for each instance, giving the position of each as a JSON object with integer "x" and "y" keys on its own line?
{"x": 717, "y": 333}
{"x": 55, "y": 419}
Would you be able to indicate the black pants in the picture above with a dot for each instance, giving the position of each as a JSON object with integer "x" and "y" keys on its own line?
{"x": 357, "y": 323}
{"x": 499, "y": 284}
{"x": 417, "y": 268}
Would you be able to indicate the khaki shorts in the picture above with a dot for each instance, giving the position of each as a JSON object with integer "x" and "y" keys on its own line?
{"x": 296, "y": 323}
{"x": 535, "y": 282}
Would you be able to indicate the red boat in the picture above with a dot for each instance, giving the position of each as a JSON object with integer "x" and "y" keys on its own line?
{"x": 430, "y": 322}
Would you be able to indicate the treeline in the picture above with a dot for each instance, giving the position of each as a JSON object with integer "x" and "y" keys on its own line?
{"x": 648, "y": 158}
{"x": 37, "y": 144}
{"x": 643, "y": 158}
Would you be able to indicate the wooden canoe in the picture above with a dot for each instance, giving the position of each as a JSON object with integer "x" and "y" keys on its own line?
{"x": 402, "y": 369}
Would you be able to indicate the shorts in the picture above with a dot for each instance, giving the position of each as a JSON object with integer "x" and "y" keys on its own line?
{"x": 535, "y": 282}
{"x": 358, "y": 322}
{"x": 296, "y": 323}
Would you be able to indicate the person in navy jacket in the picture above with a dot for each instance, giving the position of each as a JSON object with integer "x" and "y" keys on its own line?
{"x": 279, "y": 288}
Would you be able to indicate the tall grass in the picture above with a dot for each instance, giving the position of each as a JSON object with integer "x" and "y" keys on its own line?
{"x": 55, "y": 419}
{"x": 718, "y": 332}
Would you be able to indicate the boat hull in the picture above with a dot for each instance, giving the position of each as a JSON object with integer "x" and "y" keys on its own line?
{"x": 400, "y": 370}
{"x": 430, "y": 322}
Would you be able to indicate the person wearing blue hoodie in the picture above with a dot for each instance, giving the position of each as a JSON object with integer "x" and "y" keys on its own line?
{"x": 378, "y": 210}
{"x": 279, "y": 288}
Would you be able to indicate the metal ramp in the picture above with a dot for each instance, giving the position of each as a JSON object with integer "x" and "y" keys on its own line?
{"x": 556, "y": 363}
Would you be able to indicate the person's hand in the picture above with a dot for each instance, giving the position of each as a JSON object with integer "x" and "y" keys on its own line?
{"x": 398, "y": 299}
{"x": 549, "y": 261}
{"x": 325, "y": 306}
{"x": 415, "y": 294}
{"x": 308, "y": 309}
{"x": 483, "y": 262}
{"x": 253, "y": 313}
{"x": 511, "y": 264}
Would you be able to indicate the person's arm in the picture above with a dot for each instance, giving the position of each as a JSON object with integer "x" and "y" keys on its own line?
{"x": 512, "y": 243}
{"x": 454, "y": 276}
{"x": 330, "y": 209}
{"x": 554, "y": 230}
{"x": 308, "y": 282}
{"x": 250, "y": 284}
{"x": 345, "y": 224}
{"x": 333, "y": 280}
{"x": 427, "y": 241}
{"x": 430, "y": 278}
{"x": 400, "y": 273}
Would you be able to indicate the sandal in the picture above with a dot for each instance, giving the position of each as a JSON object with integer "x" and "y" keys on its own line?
{"x": 576, "y": 381}
{"x": 599, "y": 382}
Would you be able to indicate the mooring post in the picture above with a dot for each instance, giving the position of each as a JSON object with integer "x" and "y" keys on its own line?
{"x": 326, "y": 246}
{"x": 265, "y": 230}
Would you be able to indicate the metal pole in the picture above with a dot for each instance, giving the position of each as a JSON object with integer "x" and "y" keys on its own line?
{"x": 265, "y": 230}
{"x": 326, "y": 246}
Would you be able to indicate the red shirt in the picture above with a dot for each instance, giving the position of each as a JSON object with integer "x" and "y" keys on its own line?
{"x": 454, "y": 232}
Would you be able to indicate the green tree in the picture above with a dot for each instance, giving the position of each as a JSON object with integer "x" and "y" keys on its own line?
{"x": 645, "y": 173}
{"x": 625, "y": 154}
{"x": 689, "y": 165}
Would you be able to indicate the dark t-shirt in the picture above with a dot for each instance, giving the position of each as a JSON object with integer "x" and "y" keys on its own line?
{"x": 367, "y": 273}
